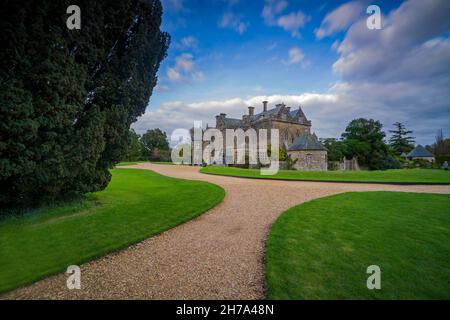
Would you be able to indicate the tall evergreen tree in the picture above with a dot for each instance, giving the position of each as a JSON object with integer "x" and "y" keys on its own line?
{"x": 68, "y": 97}
{"x": 400, "y": 140}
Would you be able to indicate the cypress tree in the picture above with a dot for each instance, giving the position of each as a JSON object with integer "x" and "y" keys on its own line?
{"x": 68, "y": 97}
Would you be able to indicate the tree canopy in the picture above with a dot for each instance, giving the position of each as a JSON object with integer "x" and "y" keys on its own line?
{"x": 155, "y": 139}
{"x": 400, "y": 140}
{"x": 364, "y": 139}
{"x": 68, "y": 97}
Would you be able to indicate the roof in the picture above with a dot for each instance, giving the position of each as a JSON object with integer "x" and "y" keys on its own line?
{"x": 420, "y": 152}
{"x": 293, "y": 116}
{"x": 231, "y": 122}
{"x": 306, "y": 141}
{"x": 266, "y": 114}
{"x": 274, "y": 111}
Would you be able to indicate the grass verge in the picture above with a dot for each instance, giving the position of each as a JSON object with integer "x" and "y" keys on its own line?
{"x": 321, "y": 249}
{"x": 136, "y": 205}
{"x": 398, "y": 176}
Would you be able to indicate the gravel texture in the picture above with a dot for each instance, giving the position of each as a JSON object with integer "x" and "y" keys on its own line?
{"x": 219, "y": 255}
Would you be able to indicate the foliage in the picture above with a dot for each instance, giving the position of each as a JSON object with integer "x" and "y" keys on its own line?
{"x": 135, "y": 149}
{"x": 391, "y": 162}
{"x": 441, "y": 147}
{"x": 137, "y": 204}
{"x": 68, "y": 97}
{"x": 321, "y": 249}
{"x": 282, "y": 153}
{"x": 154, "y": 139}
{"x": 364, "y": 139}
{"x": 441, "y": 159}
{"x": 419, "y": 163}
{"x": 160, "y": 155}
{"x": 290, "y": 163}
{"x": 400, "y": 140}
{"x": 335, "y": 148}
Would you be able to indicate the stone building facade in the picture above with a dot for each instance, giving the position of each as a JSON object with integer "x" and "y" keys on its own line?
{"x": 294, "y": 133}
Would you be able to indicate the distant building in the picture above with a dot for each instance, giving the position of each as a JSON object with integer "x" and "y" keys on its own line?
{"x": 420, "y": 152}
{"x": 294, "y": 133}
{"x": 309, "y": 152}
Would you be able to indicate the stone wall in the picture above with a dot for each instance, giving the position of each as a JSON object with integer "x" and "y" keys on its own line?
{"x": 311, "y": 160}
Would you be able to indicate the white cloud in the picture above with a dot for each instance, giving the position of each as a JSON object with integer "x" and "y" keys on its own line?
{"x": 184, "y": 62}
{"x": 173, "y": 75}
{"x": 271, "y": 9}
{"x": 234, "y": 22}
{"x": 162, "y": 88}
{"x": 184, "y": 69}
{"x": 174, "y": 5}
{"x": 295, "y": 56}
{"x": 400, "y": 73}
{"x": 340, "y": 18}
{"x": 189, "y": 42}
{"x": 292, "y": 22}
{"x": 408, "y": 46}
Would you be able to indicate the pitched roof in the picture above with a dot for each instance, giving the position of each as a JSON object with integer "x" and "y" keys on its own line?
{"x": 274, "y": 111}
{"x": 419, "y": 152}
{"x": 306, "y": 141}
{"x": 266, "y": 114}
{"x": 232, "y": 122}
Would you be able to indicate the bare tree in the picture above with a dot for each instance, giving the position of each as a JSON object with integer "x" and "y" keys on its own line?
{"x": 440, "y": 147}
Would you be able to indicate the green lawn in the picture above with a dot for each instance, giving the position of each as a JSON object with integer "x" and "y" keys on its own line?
{"x": 130, "y": 163}
{"x": 136, "y": 205}
{"x": 321, "y": 249}
{"x": 388, "y": 176}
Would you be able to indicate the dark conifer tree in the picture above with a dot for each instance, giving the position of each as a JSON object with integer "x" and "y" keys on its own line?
{"x": 68, "y": 97}
{"x": 400, "y": 140}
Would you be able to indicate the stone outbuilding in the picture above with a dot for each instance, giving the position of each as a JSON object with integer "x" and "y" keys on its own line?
{"x": 311, "y": 155}
{"x": 420, "y": 153}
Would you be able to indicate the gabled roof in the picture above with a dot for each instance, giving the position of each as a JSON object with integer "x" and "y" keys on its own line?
{"x": 306, "y": 141}
{"x": 274, "y": 111}
{"x": 419, "y": 152}
{"x": 266, "y": 114}
{"x": 232, "y": 122}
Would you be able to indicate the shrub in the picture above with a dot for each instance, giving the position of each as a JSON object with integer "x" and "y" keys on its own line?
{"x": 441, "y": 159}
{"x": 390, "y": 162}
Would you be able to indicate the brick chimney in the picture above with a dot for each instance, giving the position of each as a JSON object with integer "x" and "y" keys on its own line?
{"x": 251, "y": 111}
{"x": 265, "y": 106}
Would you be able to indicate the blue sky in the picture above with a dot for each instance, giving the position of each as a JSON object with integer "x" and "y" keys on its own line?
{"x": 228, "y": 54}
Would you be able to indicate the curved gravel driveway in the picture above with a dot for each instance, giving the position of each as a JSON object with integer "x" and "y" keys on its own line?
{"x": 219, "y": 255}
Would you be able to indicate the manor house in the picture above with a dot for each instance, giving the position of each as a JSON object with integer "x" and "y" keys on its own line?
{"x": 294, "y": 132}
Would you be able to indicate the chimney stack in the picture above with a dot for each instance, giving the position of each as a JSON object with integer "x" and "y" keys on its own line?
{"x": 264, "y": 106}
{"x": 251, "y": 110}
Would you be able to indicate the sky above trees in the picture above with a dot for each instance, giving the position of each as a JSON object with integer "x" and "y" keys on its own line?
{"x": 226, "y": 55}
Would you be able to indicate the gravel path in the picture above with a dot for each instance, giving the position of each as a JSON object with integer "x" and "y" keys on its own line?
{"x": 219, "y": 255}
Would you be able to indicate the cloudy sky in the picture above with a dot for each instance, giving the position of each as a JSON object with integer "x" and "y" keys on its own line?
{"x": 228, "y": 54}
